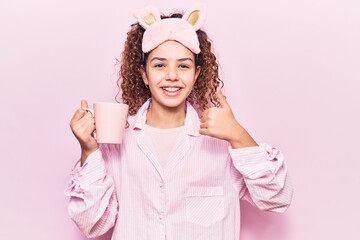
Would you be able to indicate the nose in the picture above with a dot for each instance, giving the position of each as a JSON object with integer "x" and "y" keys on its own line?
{"x": 172, "y": 74}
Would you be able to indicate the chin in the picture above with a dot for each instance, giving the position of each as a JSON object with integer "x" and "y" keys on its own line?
{"x": 174, "y": 104}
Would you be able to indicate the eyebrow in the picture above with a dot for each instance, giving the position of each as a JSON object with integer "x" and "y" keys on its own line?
{"x": 164, "y": 59}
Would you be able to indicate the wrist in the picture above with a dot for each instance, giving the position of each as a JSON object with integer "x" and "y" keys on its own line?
{"x": 242, "y": 139}
{"x": 85, "y": 154}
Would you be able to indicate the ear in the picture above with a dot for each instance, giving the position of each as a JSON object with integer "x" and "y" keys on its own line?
{"x": 143, "y": 75}
{"x": 196, "y": 16}
{"x": 147, "y": 16}
{"x": 197, "y": 72}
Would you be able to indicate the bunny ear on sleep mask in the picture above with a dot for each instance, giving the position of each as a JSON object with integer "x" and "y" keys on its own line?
{"x": 182, "y": 30}
{"x": 147, "y": 16}
{"x": 196, "y": 16}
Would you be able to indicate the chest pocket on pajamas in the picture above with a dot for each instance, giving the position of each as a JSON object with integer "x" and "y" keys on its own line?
{"x": 205, "y": 205}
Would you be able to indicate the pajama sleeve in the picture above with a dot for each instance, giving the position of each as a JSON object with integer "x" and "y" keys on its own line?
{"x": 93, "y": 205}
{"x": 265, "y": 175}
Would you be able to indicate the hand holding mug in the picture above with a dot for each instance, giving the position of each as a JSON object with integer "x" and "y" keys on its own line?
{"x": 82, "y": 125}
{"x": 105, "y": 124}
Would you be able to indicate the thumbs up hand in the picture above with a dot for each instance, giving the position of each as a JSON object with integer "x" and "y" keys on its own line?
{"x": 220, "y": 122}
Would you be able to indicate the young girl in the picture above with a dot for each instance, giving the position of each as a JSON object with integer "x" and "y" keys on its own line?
{"x": 185, "y": 162}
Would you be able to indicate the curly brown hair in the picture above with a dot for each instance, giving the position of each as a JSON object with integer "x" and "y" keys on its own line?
{"x": 131, "y": 85}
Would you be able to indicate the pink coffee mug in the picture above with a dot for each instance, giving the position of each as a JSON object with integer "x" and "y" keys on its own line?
{"x": 110, "y": 121}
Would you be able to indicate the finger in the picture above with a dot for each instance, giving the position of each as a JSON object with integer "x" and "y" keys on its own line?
{"x": 80, "y": 118}
{"x": 222, "y": 99}
{"x": 87, "y": 117}
{"x": 204, "y": 119}
{"x": 204, "y": 131}
{"x": 89, "y": 130}
{"x": 84, "y": 104}
{"x": 203, "y": 125}
{"x": 80, "y": 113}
{"x": 84, "y": 127}
{"x": 209, "y": 113}
{"x": 205, "y": 113}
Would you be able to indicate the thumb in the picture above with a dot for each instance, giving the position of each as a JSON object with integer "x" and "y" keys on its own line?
{"x": 222, "y": 99}
{"x": 84, "y": 104}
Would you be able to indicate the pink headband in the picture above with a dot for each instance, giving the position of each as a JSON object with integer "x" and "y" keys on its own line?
{"x": 182, "y": 30}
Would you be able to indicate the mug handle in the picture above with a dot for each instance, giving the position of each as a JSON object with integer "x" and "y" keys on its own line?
{"x": 89, "y": 110}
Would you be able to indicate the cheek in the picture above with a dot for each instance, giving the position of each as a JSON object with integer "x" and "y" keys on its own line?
{"x": 154, "y": 78}
{"x": 189, "y": 79}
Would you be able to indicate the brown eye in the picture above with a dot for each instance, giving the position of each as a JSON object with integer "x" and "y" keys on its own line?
{"x": 184, "y": 66}
{"x": 159, "y": 65}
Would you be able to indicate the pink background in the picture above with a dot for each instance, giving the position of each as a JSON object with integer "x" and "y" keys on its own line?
{"x": 292, "y": 72}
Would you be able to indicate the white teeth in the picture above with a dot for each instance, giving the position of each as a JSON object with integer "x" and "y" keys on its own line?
{"x": 171, "y": 89}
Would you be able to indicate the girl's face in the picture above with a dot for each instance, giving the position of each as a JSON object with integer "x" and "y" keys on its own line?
{"x": 170, "y": 73}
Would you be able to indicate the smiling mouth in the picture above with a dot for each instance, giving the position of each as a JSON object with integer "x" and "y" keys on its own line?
{"x": 171, "y": 89}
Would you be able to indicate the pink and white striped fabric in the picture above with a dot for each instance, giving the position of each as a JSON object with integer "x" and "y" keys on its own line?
{"x": 197, "y": 196}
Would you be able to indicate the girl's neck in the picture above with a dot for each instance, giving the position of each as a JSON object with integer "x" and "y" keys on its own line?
{"x": 160, "y": 117}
